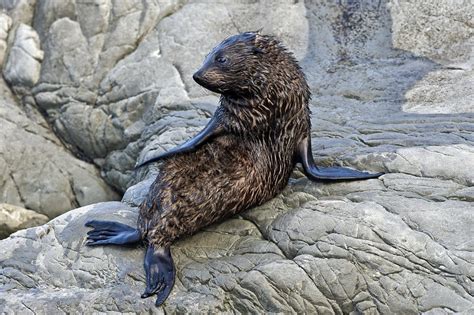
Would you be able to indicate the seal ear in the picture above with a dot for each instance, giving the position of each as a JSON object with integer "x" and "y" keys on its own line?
{"x": 212, "y": 129}
{"x": 330, "y": 173}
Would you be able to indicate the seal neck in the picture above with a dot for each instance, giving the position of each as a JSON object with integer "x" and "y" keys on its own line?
{"x": 272, "y": 118}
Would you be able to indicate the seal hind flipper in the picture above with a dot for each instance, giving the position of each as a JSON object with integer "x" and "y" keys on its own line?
{"x": 111, "y": 233}
{"x": 330, "y": 173}
{"x": 212, "y": 129}
{"x": 160, "y": 273}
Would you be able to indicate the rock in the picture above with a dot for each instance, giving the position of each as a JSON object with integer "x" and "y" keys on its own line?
{"x": 391, "y": 86}
{"x": 441, "y": 31}
{"x": 21, "y": 11}
{"x": 350, "y": 248}
{"x": 24, "y": 60}
{"x": 444, "y": 91}
{"x": 14, "y": 218}
{"x": 136, "y": 194}
{"x": 36, "y": 172}
{"x": 5, "y": 24}
{"x": 453, "y": 162}
{"x": 48, "y": 11}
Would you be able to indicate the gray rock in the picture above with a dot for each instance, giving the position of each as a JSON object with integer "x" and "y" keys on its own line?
{"x": 444, "y": 91}
{"x": 304, "y": 251}
{"x": 14, "y": 218}
{"x": 24, "y": 60}
{"x": 5, "y": 25}
{"x": 441, "y": 31}
{"x": 137, "y": 193}
{"x": 36, "y": 172}
{"x": 21, "y": 11}
{"x": 453, "y": 162}
{"x": 391, "y": 86}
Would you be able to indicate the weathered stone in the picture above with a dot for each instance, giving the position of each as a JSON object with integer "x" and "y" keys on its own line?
{"x": 297, "y": 253}
{"x": 5, "y": 24}
{"x": 14, "y": 218}
{"x": 453, "y": 162}
{"x": 135, "y": 195}
{"x": 21, "y": 11}
{"x": 391, "y": 86}
{"x": 24, "y": 60}
{"x": 441, "y": 30}
{"x": 36, "y": 172}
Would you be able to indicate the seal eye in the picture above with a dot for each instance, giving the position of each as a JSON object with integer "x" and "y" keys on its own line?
{"x": 221, "y": 59}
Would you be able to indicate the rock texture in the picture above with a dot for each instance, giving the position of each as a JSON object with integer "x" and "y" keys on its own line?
{"x": 394, "y": 245}
{"x": 14, "y": 218}
{"x": 24, "y": 61}
{"x": 36, "y": 171}
{"x": 392, "y": 91}
{"x": 5, "y": 24}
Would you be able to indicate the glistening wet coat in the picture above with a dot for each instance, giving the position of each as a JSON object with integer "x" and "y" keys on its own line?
{"x": 242, "y": 158}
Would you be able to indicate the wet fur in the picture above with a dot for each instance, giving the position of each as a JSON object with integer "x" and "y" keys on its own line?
{"x": 247, "y": 166}
{"x": 242, "y": 158}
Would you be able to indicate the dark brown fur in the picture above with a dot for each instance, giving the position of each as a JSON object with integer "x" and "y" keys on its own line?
{"x": 264, "y": 112}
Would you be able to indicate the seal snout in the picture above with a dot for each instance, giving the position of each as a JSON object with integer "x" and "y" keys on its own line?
{"x": 205, "y": 79}
{"x": 198, "y": 76}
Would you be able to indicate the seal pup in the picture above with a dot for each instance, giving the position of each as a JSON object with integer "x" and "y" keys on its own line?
{"x": 242, "y": 158}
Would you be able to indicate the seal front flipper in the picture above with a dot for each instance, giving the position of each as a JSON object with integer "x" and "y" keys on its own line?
{"x": 160, "y": 273}
{"x": 212, "y": 129}
{"x": 330, "y": 173}
{"x": 111, "y": 233}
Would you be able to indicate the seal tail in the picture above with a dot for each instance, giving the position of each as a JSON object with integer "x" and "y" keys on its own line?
{"x": 329, "y": 173}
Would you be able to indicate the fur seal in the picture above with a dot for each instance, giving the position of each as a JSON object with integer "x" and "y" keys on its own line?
{"x": 242, "y": 158}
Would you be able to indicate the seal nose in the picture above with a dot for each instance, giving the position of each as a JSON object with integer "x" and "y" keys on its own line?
{"x": 198, "y": 77}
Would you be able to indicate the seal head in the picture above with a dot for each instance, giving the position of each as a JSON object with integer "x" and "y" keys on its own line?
{"x": 222, "y": 68}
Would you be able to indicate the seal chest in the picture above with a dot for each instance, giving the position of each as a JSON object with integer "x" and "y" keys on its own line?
{"x": 242, "y": 158}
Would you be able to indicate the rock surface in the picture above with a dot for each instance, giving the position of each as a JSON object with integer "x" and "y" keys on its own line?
{"x": 392, "y": 91}
{"x": 5, "y": 24}
{"x": 14, "y": 218}
{"x": 398, "y": 244}
{"x": 24, "y": 61}
{"x": 36, "y": 171}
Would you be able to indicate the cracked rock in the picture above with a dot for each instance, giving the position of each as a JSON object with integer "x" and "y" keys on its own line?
{"x": 391, "y": 85}
{"x": 304, "y": 251}
{"x": 37, "y": 172}
{"x": 5, "y": 25}
{"x": 24, "y": 60}
{"x": 14, "y": 218}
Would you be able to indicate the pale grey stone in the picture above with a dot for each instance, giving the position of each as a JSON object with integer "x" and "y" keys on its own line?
{"x": 14, "y": 218}
{"x": 5, "y": 25}
{"x": 443, "y": 92}
{"x": 36, "y": 172}
{"x": 23, "y": 63}
{"x": 441, "y": 30}
{"x": 454, "y": 162}
{"x": 21, "y": 11}
{"x": 391, "y": 86}
{"x": 296, "y": 253}
{"x": 137, "y": 193}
